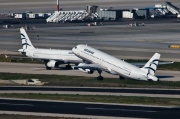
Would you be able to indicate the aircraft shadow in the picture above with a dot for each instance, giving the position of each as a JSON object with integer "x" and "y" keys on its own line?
{"x": 164, "y": 77}
{"x": 62, "y": 68}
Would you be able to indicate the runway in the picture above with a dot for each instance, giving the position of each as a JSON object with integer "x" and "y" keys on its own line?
{"x": 26, "y": 68}
{"x": 143, "y": 92}
{"x": 91, "y": 89}
{"x": 89, "y": 109}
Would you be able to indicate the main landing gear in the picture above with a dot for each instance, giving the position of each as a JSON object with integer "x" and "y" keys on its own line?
{"x": 100, "y": 78}
{"x": 121, "y": 77}
{"x": 48, "y": 68}
{"x": 68, "y": 66}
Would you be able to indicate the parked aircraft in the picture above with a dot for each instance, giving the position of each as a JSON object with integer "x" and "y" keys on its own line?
{"x": 51, "y": 57}
{"x": 100, "y": 61}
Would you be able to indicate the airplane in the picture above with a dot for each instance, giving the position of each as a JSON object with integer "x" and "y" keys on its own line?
{"x": 97, "y": 60}
{"x": 51, "y": 57}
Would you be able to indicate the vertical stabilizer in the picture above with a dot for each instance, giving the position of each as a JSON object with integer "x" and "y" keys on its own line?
{"x": 26, "y": 43}
{"x": 151, "y": 66}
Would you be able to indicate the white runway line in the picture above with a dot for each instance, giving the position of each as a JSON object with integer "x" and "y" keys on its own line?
{"x": 119, "y": 109}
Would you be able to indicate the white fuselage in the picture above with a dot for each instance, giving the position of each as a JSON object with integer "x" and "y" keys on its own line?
{"x": 51, "y": 54}
{"x": 111, "y": 64}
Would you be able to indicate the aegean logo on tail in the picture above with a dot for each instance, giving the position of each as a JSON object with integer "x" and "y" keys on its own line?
{"x": 150, "y": 68}
{"x": 24, "y": 44}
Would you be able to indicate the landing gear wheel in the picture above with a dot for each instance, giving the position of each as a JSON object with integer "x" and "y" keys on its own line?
{"x": 68, "y": 67}
{"x": 100, "y": 78}
{"x": 121, "y": 78}
{"x": 48, "y": 68}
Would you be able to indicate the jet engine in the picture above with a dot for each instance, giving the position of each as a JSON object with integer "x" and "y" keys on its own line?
{"x": 112, "y": 72}
{"x": 88, "y": 71}
{"x": 52, "y": 63}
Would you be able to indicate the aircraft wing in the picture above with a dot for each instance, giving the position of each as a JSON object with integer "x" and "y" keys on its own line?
{"x": 98, "y": 67}
{"x": 12, "y": 50}
{"x": 25, "y": 57}
{"x": 141, "y": 64}
{"x": 90, "y": 67}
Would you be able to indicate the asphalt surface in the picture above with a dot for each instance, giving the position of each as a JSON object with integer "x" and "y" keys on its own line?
{"x": 121, "y": 41}
{"x": 50, "y": 6}
{"x": 77, "y": 89}
{"x": 145, "y": 92}
{"x": 90, "y": 109}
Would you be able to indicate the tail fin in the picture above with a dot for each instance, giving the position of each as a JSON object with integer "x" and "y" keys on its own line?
{"x": 26, "y": 43}
{"x": 151, "y": 66}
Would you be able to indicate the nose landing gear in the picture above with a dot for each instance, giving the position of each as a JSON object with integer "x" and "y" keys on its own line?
{"x": 100, "y": 78}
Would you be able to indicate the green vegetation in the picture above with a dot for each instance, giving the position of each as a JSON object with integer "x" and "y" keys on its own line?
{"x": 99, "y": 98}
{"x": 60, "y": 80}
{"x": 17, "y": 60}
{"x": 175, "y": 67}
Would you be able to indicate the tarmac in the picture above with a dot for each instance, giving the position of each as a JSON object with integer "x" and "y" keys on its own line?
{"x": 86, "y": 110}
{"x": 143, "y": 92}
{"x": 49, "y": 6}
{"x": 120, "y": 41}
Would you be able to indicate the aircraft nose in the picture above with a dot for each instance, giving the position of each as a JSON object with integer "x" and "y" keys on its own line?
{"x": 74, "y": 49}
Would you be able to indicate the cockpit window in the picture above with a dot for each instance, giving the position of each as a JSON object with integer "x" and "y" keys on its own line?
{"x": 75, "y": 47}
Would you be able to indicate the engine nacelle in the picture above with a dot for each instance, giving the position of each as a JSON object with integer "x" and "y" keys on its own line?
{"x": 112, "y": 72}
{"x": 88, "y": 71}
{"x": 52, "y": 63}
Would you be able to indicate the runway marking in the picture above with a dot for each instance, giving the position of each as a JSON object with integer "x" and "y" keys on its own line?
{"x": 152, "y": 40}
{"x": 16, "y": 104}
{"x": 119, "y": 109}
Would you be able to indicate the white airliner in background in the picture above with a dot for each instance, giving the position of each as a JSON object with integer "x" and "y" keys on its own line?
{"x": 51, "y": 57}
{"x": 100, "y": 61}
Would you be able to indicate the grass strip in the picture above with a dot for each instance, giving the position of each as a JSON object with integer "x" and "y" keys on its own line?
{"x": 18, "y": 60}
{"x": 60, "y": 80}
{"x": 99, "y": 98}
